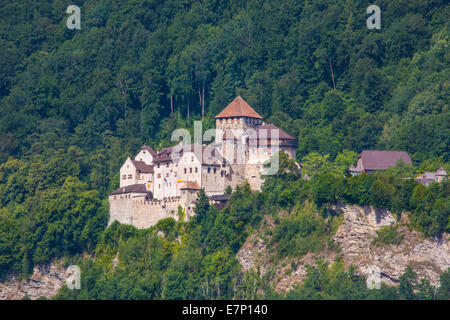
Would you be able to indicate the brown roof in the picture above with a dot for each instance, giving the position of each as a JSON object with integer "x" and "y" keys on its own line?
{"x": 191, "y": 185}
{"x": 266, "y": 131}
{"x": 381, "y": 160}
{"x": 238, "y": 108}
{"x": 142, "y": 166}
{"x": 134, "y": 188}
{"x": 147, "y": 148}
{"x": 166, "y": 154}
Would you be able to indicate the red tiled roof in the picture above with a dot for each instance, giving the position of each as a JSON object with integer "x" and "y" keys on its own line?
{"x": 191, "y": 185}
{"x": 142, "y": 166}
{"x": 381, "y": 160}
{"x": 238, "y": 108}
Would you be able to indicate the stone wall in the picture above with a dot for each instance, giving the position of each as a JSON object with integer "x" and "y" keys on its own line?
{"x": 143, "y": 213}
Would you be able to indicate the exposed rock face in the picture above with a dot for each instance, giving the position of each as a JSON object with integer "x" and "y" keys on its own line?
{"x": 45, "y": 281}
{"x": 428, "y": 257}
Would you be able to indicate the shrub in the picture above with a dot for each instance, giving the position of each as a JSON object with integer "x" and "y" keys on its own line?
{"x": 388, "y": 235}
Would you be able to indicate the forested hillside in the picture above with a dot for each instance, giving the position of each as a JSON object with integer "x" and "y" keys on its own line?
{"x": 75, "y": 103}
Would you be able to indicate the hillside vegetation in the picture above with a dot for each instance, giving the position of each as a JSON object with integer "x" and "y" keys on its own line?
{"x": 75, "y": 103}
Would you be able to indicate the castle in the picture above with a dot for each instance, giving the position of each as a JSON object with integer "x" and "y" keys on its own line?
{"x": 155, "y": 184}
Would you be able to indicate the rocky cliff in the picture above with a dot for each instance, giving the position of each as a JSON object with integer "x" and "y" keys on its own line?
{"x": 428, "y": 257}
{"x": 45, "y": 282}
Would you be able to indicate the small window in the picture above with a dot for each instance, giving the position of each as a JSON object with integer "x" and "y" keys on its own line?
{"x": 124, "y": 176}
{"x": 190, "y": 170}
{"x": 175, "y": 174}
{"x": 167, "y": 175}
{"x": 192, "y": 159}
{"x": 196, "y": 169}
{"x": 185, "y": 170}
{"x": 215, "y": 170}
{"x": 130, "y": 176}
{"x": 209, "y": 170}
{"x": 159, "y": 176}
{"x": 158, "y": 165}
{"x": 167, "y": 165}
{"x": 159, "y": 186}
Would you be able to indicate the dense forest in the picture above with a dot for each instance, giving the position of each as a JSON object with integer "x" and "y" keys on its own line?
{"x": 75, "y": 103}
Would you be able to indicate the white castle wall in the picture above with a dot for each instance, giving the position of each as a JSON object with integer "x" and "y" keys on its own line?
{"x": 145, "y": 156}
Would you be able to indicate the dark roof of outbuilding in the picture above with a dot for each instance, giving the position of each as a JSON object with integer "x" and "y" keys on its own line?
{"x": 382, "y": 159}
{"x": 220, "y": 197}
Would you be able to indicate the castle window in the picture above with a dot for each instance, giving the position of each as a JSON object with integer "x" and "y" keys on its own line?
{"x": 190, "y": 170}
{"x": 124, "y": 176}
{"x": 159, "y": 186}
{"x": 159, "y": 175}
{"x": 196, "y": 169}
{"x": 192, "y": 159}
{"x": 175, "y": 174}
{"x": 209, "y": 170}
{"x": 167, "y": 165}
{"x": 158, "y": 165}
{"x": 215, "y": 170}
{"x": 130, "y": 176}
{"x": 185, "y": 170}
{"x": 167, "y": 175}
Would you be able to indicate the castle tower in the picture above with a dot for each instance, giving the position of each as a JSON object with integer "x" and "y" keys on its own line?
{"x": 231, "y": 125}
